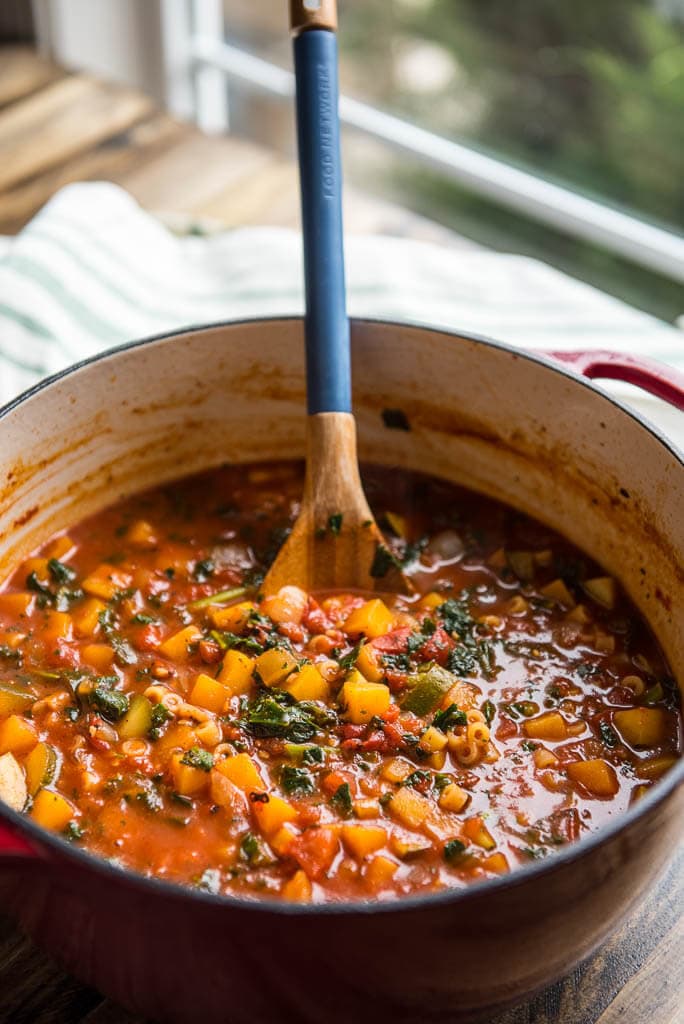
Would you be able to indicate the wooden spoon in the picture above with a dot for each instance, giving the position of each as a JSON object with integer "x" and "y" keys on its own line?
{"x": 335, "y": 542}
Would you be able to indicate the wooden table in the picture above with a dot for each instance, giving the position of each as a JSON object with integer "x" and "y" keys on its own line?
{"x": 57, "y": 128}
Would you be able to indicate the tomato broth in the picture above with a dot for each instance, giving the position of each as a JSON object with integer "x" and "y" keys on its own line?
{"x": 156, "y": 708}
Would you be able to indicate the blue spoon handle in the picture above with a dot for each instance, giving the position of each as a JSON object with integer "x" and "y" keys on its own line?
{"x": 328, "y": 365}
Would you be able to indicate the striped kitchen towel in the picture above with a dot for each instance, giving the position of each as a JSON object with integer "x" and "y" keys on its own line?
{"x": 92, "y": 270}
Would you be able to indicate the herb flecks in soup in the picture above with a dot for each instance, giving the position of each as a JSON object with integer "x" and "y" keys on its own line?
{"x": 157, "y": 709}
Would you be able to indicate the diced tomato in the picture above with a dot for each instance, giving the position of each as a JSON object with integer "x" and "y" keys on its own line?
{"x": 437, "y": 647}
{"x": 148, "y": 638}
{"x": 293, "y": 631}
{"x": 64, "y": 654}
{"x": 506, "y": 729}
{"x": 315, "y": 619}
{"x": 335, "y": 779}
{"x": 394, "y": 642}
{"x": 315, "y": 850}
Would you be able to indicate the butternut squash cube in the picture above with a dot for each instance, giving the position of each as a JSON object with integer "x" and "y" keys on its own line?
{"x": 544, "y": 758}
{"x": 17, "y": 735}
{"x": 273, "y": 814}
{"x": 372, "y": 619}
{"x": 368, "y": 664}
{"x": 549, "y": 726}
{"x": 307, "y": 684}
{"x": 86, "y": 619}
{"x": 236, "y": 673}
{"x": 478, "y": 833}
{"x": 233, "y": 619}
{"x": 106, "y": 581}
{"x": 242, "y": 772}
{"x": 432, "y": 741}
{"x": 453, "y": 798}
{"x": 497, "y": 863}
{"x": 603, "y": 590}
{"x": 99, "y": 656}
{"x": 275, "y": 665}
{"x": 641, "y": 727}
{"x": 209, "y": 694}
{"x": 58, "y": 627}
{"x": 431, "y": 601}
{"x": 558, "y": 592}
{"x": 366, "y": 807}
{"x": 409, "y": 807}
{"x": 298, "y": 888}
{"x": 654, "y": 767}
{"x": 176, "y": 557}
{"x": 52, "y": 810}
{"x": 16, "y": 604}
{"x": 186, "y": 779}
{"x": 176, "y": 647}
{"x": 597, "y": 777}
{"x": 362, "y": 840}
{"x": 379, "y": 871}
{"x": 362, "y": 699}
{"x": 142, "y": 535}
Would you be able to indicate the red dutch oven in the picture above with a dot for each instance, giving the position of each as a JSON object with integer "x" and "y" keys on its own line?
{"x": 525, "y": 429}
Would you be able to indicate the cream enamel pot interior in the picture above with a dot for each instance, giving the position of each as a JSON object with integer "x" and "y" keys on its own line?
{"x": 520, "y": 428}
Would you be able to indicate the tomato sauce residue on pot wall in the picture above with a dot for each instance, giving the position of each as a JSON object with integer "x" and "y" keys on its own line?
{"x": 157, "y": 709}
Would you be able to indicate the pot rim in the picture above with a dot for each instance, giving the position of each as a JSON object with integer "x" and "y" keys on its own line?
{"x": 524, "y": 872}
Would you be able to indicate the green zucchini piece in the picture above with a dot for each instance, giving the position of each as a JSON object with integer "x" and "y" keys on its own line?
{"x": 41, "y": 767}
{"x": 14, "y": 698}
{"x": 138, "y": 719}
{"x": 12, "y": 783}
{"x": 429, "y": 686}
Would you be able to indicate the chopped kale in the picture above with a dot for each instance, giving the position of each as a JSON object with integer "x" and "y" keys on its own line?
{"x": 60, "y": 572}
{"x": 335, "y": 523}
{"x": 160, "y": 716}
{"x": 454, "y": 850}
{"x": 296, "y": 780}
{"x": 383, "y": 561}
{"x": 341, "y": 800}
{"x": 529, "y": 746}
{"x": 110, "y": 703}
{"x": 141, "y": 619}
{"x": 73, "y": 832}
{"x": 203, "y": 570}
{"x": 608, "y": 734}
{"x": 276, "y": 713}
{"x": 228, "y": 640}
{"x": 462, "y": 660}
{"x": 456, "y": 617}
{"x": 253, "y": 850}
{"x": 449, "y": 718}
{"x": 196, "y": 757}
{"x": 488, "y": 710}
{"x": 45, "y": 595}
{"x": 349, "y": 660}
{"x": 418, "y": 779}
{"x": 123, "y": 652}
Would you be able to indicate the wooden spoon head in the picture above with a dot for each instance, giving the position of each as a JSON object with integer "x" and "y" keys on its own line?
{"x": 335, "y": 542}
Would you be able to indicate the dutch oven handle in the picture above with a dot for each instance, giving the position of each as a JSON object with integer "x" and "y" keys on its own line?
{"x": 663, "y": 381}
